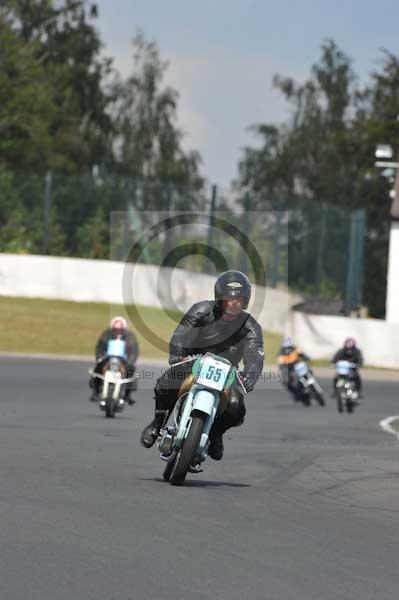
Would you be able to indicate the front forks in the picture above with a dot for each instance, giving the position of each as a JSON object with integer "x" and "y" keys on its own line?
{"x": 172, "y": 435}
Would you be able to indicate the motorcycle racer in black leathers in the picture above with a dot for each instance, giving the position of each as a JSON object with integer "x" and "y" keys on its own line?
{"x": 223, "y": 327}
{"x": 353, "y": 354}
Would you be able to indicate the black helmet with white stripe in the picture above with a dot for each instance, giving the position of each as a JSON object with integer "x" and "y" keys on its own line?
{"x": 233, "y": 284}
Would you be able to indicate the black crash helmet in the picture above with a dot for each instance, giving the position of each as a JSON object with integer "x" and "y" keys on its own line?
{"x": 232, "y": 284}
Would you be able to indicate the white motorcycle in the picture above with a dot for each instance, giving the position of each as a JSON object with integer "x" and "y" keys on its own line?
{"x": 184, "y": 443}
{"x": 113, "y": 376}
{"x": 308, "y": 386}
{"x": 345, "y": 386}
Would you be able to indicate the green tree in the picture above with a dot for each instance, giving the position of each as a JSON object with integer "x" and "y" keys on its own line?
{"x": 93, "y": 237}
{"x": 377, "y": 122}
{"x": 109, "y": 144}
{"x": 149, "y": 140}
{"x": 323, "y": 158}
{"x": 26, "y": 104}
{"x": 68, "y": 47}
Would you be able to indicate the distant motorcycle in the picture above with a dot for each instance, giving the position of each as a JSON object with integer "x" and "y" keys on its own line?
{"x": 114, "y": 378}
{"x": 346, "y": 390}
{"x": 307, "y": 385}
{"x": 184, "y": 442}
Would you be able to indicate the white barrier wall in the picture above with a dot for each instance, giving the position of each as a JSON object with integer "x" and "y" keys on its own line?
{"x": 392, "y": 302}
{"x": 110, "y": 281}
{"x": 102, "y": 281}
{"x": 321, "y": 336}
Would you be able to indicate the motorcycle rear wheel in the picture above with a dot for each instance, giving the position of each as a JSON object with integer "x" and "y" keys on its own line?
{"x": 186, "y": 455}
{"x": 349, "y": 406}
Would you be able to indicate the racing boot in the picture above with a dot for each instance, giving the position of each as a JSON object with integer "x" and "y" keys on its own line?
{"x": 128, "y": 397}
{"x": 216, "y": 447}
{"x": 95, "y": 392}
{"x": 151, "y": 432}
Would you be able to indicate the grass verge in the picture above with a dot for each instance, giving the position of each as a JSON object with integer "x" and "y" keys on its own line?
{"x": 63, "y": 327}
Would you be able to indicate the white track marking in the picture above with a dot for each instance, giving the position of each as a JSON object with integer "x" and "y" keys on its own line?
{"x": 391, "y": 425}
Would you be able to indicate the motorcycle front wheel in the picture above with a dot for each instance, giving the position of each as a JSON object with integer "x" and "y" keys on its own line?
{"x": 319, "y": 397}
{"x": 168, "y": 469}
{"x": 186, "y": 455}
{"x": 110, "y": 404}
{"x": 340, "y": 404}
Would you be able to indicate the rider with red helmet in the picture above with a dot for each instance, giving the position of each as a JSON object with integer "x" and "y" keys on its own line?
{"x": 118, "y": 329}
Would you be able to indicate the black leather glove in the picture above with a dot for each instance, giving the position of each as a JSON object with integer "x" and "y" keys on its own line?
{"x": 247, "y": 382}
{"x": 174, "y": 359}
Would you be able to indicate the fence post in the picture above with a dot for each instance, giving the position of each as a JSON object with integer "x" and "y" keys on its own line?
{"x": 354, "y": 277}
{"x": 245, "y": 229}
{"x": 360, "y": 234}
{"x": 168, "y": 195}
{"x": 212, "y": 210}
{"x": 47, "y": 207}
{"x": 320, "y": 250}
{"x": 136, "y": 225}
{"x": 275, "y": 275}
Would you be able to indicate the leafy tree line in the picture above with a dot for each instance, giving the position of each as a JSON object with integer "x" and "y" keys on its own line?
{"x": 321, "y": 160}
{"x": 114, "y": 144}
{"x": 107, "y": 141}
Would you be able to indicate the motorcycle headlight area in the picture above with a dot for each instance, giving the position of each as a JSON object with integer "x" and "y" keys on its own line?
{"x": 115, "y": 365}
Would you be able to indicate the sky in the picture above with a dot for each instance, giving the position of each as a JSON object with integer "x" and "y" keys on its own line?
{"x": 223, "y": 54}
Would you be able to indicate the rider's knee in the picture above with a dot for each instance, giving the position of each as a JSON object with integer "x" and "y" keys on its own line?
{"x": 235, "y": 409}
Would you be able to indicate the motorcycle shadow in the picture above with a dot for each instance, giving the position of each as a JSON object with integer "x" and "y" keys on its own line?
{"x": 101, "y": 417}
{"x": 201, "y": 483}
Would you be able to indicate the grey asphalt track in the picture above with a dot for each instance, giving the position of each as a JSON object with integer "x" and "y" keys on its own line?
{"x": 304, "y": 505}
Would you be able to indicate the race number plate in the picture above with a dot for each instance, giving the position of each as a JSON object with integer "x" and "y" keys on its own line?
{"x": 213, "y": 373}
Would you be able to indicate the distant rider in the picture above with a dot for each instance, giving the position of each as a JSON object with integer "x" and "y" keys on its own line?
{"x": 117, "y": 329}
{"x": 221, "y": 326}
{"x": 288, "y": 355}
{"x": 353, "y": 354}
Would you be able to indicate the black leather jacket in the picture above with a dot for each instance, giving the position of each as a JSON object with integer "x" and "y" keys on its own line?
{"x": 202, "y": 329}
{"x": 132, "y": 347}
{"x": 354, "y": 355}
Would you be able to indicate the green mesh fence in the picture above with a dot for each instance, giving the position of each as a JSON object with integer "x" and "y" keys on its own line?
{"x": 310, "y": 247}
